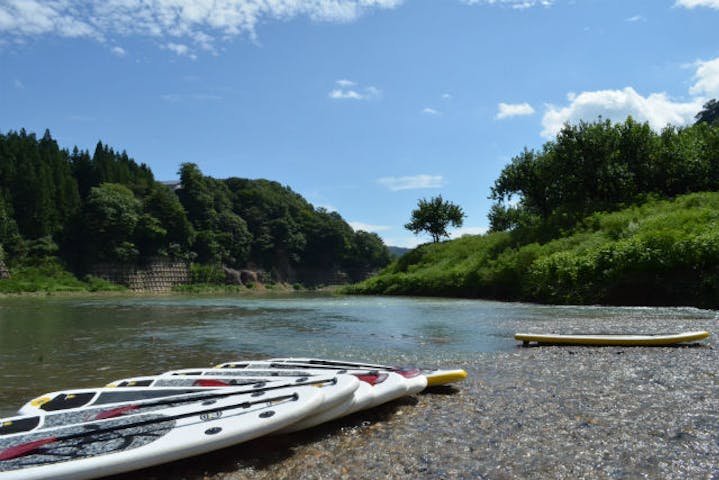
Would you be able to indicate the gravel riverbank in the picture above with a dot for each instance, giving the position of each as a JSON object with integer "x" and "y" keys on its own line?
{"x": 538, "y": 412}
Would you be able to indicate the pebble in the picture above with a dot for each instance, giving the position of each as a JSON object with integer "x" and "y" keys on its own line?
{"x": 533, "y": 413}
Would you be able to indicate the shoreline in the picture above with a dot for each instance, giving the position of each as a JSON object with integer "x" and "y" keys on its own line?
{"x": 241, "y": 291}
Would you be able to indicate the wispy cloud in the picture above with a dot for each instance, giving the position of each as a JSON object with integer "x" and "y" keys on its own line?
{"x": 414, "y": 182}
{"x": 698, "y": 3}
{"x": 431, "y": 111}
{"x": 181, "y": 50}
{"x": 635, "y": 19}
{"x": 189, "y": 22}
{"x": 27, "y": 18}
{"x": 515, "y": 4}
{"x": 459, "y": 232}
{"x": 198, "y": 25}
{"x": 349, "y": 90}
{"x": 118, "y": 51}
{"x": 507, "y": 110}
{"x": 367, "y": 227}
{"x": 658, "y": 109}
{"x": 402, "y": 242}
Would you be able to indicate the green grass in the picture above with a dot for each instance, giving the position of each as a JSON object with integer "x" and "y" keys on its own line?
{"x": 663, "y": 252}
{"x": 50, "y": 276}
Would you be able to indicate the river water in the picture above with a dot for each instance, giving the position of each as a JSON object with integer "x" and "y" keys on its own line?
{"x": 49, "y": 343}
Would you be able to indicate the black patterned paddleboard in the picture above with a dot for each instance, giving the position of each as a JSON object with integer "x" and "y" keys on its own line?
{"x": 119, "y": 444}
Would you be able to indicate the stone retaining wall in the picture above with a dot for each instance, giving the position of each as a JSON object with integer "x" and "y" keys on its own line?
{"x": 155, "y": 276}
{"x": 4, "y": 272}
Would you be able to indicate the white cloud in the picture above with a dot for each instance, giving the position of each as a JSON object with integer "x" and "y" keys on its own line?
{"x": 356, "y": 226}
{"x": 349, "y": 90}
{"x": 31, "y": 17}
{"x": 431, "y": 111}
{"x": 635, "y": 19}
{"x": 447, "y": 96}
{"x": 414, "y": 182}
{"x": 707, "y": 78}
{"x": 459, "y": 232}
{"x": 118, "y": 51}
{"x": 515, "y": 4}
{"x": 698, "y": 3}
{"x": 507, "y": 110}
{"x": 403, "y": 242}
{"x": 200, "y": 23}
{"x": 181, "y": 50}
{"x": 657, "y": 109}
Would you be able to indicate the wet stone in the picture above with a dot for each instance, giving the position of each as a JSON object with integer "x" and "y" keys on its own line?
{"x": 532, "y": 413}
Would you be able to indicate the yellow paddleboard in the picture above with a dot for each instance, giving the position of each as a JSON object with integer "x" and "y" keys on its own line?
{"x": 442, "y": 377}
{"x": 601, "y": 340}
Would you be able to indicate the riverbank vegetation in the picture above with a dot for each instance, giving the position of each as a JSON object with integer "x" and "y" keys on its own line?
{"x": 71, "y": 210}
{"x": 611, "y": 213}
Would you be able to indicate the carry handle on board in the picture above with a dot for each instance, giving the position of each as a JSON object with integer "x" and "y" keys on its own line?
{"x": 29, "y": 447}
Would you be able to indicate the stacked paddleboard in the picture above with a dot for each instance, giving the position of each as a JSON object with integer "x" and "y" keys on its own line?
{"x": 138, "y": 422}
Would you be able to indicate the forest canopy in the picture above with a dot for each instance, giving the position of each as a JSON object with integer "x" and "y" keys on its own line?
{"x": 87, "y": 208}
{"x": 601, "y": 166}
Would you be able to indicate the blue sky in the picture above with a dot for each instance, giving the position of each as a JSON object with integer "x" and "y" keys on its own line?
{"x": 361, "y": 106}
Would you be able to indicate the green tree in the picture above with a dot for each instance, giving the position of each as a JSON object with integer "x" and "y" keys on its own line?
{"x": 434, "y": 216}
{"x": 709, "y": 114}
{"x": 165, "y": 206}
{"x": 367, "y": 254}
{"x": 197, "y": 197}
{"x": 10, "y": 237}
{"x": 112, "y": 214}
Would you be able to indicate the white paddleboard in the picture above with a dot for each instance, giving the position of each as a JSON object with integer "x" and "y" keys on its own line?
{"x": 63, "y": 417}
{"x": 87, "y": 397}
{"x": 434, "y": 376}
{"x": 123, "y": 444}
{"x": 341, "y": 397}
{"x": 384, "y": 386}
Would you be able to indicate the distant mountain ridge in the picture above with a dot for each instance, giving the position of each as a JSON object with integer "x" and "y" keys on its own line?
{"x": 396, "y": 252}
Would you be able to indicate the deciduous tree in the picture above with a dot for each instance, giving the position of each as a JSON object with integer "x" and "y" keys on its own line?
{"x": 434, "y": 216}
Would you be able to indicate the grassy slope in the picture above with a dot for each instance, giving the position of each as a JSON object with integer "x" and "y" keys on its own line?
{"x": 51, "y": 277}
{"x": 658, "y": 253}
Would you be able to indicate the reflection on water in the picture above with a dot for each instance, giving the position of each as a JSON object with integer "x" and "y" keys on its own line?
{"x": 50, "y": 344}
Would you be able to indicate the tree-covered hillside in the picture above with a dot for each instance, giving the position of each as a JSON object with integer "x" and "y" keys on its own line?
{"x": 85, "y": 209}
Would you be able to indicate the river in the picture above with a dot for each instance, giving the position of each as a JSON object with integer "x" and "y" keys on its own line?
{"x": 53, "y": 343}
